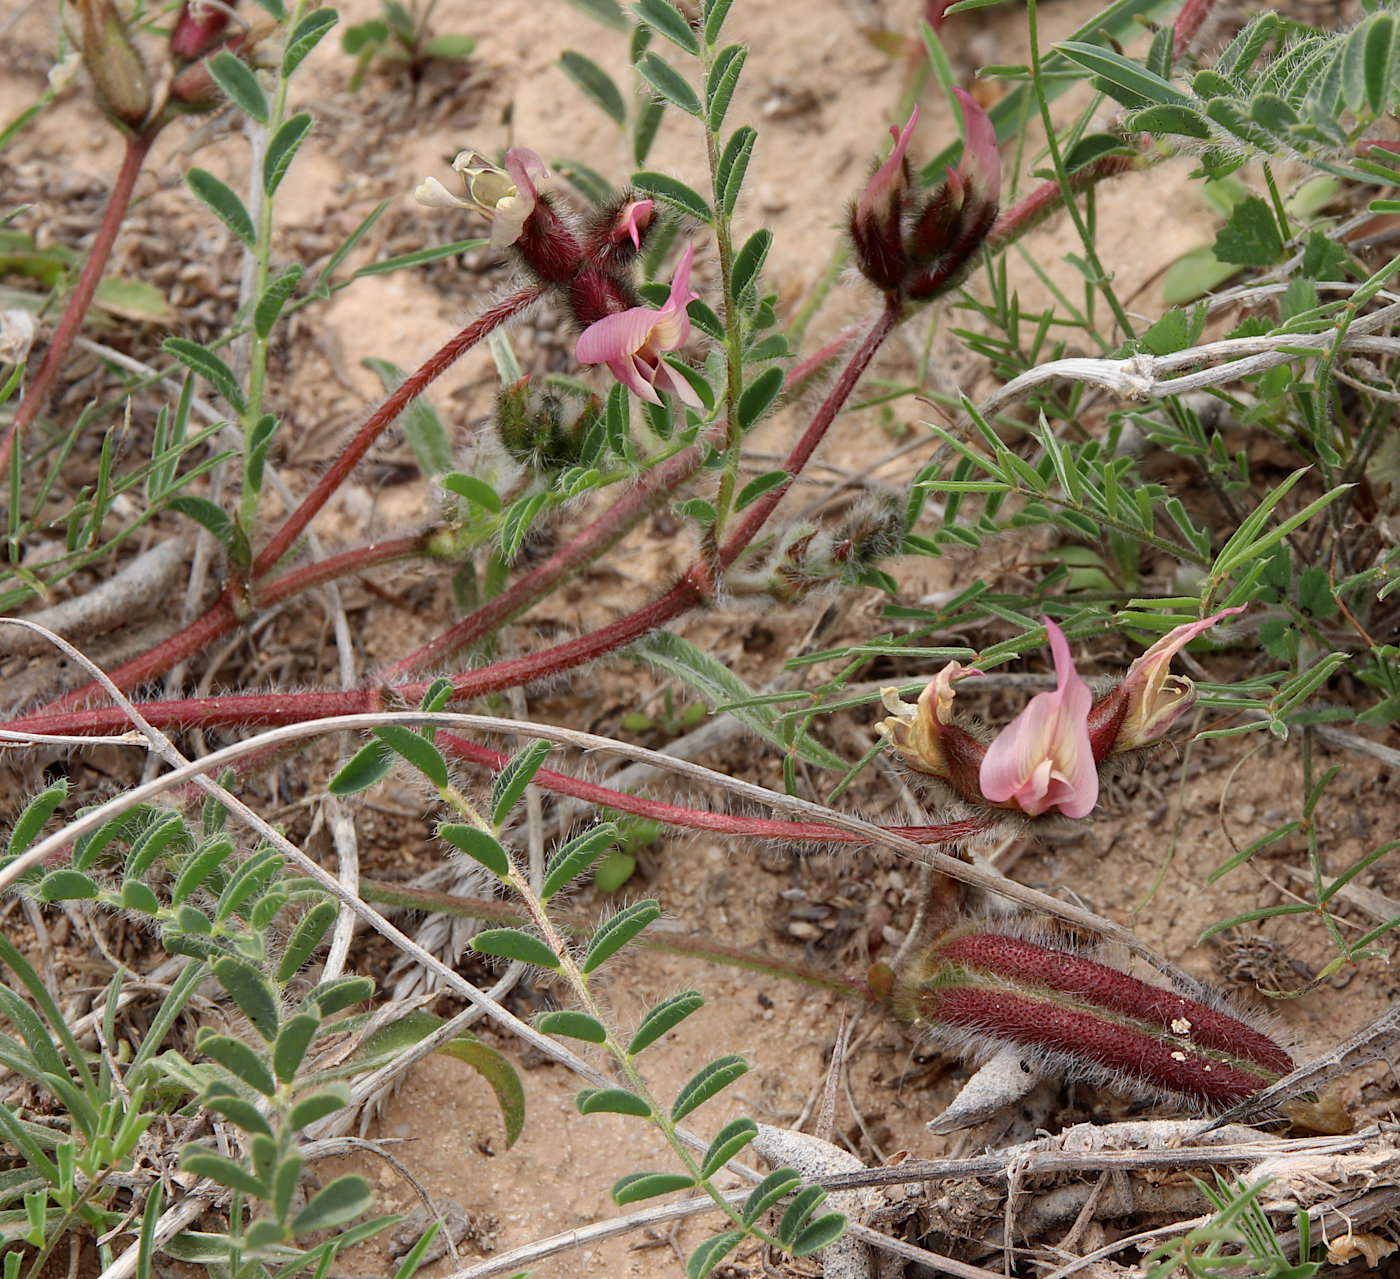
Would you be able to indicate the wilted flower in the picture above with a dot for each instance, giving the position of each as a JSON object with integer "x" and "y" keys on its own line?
{"x": 630, "y": 342}
{"x": 506, "y": 197}
{"x": 200, "y": 28}
{"x": 1151, "y": 699}
{"x": 927, "y": 736}
{"x": 1042, "y": 759}
{"x": 632, "y": 219}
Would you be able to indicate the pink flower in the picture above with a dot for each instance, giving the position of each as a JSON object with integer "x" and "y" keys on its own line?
{"x": 1156, "y": 698}
{"x": 505, "y": 197}
{"x": 1042, "y": 760}
{"x": 633, "y": 218}
{"x": 630, "y": 342}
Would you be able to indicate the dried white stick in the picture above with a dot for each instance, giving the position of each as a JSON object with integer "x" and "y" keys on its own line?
{"x": 136, "y": 592}
{"x": 175, "y": 1218}
{"x": 954, "y": 867}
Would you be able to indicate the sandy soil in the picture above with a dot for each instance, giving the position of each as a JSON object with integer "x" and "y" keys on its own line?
{"x": 822, "y": 94}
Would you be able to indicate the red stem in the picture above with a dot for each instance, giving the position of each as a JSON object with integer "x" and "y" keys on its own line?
{"x": 224, "y": 614}
{"x": 695, "y": 587}
{"x": 386, "y": 413}
{"x": 310, "y": 576}
{"x": 137, "y": 148}
{"x": 1189, "y": 21}
{"x": 1047, "y": 197}
{"x": 614, "y": 524}
{"x": 699, "y": 819}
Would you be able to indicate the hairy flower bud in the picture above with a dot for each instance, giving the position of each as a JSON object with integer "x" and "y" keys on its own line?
{"x": 877, "y": 222}
{"x": 981, "y": 990}
{"x": 118, "y": 72}
{"x": 200, "y": 28}
{"x": 543, "y": 431}
{"x": 919, "y": 249}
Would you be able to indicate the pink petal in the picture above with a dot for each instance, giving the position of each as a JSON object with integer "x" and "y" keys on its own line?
{"x": 1175, "y": 640}
{"x": 667, "y": 379}
{"x": 981, "y": 161}
{"x": 883, "y": 189}
{"x": 635, "y": 378}
{"x": 615, "y": 336}
{"x": 1043, "y": 758}
{"x": 525, "y": 169}
{"x": 672, "y": 329}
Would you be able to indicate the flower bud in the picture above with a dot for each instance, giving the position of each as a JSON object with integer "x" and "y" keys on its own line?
{"x": 543, "y": 432}
{"x": 200, "y": 28}
{"x": 919, "y": 250}
{"x": 957, "y": 217}
{"x": 118, "y": 72}
{"x": 877, "y": 222}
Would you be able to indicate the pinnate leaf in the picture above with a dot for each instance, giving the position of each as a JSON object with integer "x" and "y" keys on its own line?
{"x": 706, "y": 1083}
{"x": 775, "y": 1186}
{"x": 666, "y": 1015}
{"x": 728, "y": 1142}
{"x": 574, "y": 1025}
{"x": 511, "y": 943}
{"x": 710, "y": 1253}
{"x": 575, "y": 857}
{"x": 223, "y": 202}
{"x": 480, "y": 846}
{"x": 512, "y": 780}
{"x": 824, "y": 1231}
{"x": 417, "y": 750}
{"x": 368, "y": 766}
{"x": 611, "y": 1101}
{"x": 342, "y": 1200}
{"x": 613, "y": 935}
{"x": 647, "y": 1185}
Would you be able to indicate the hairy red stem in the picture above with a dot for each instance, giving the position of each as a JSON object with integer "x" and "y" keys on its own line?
{"x": 1188, "y": 22}
{"x": 696, "y": 818}
{"x": 412, "y": 386}
{"x": 1028, "y": 213}
{"x": 69, "y": 326}
{"x": 614, "y": 524}
{"x": 224, "y": 614}
{"x": 695, "y": 587}
{"x": 310, "y": 576}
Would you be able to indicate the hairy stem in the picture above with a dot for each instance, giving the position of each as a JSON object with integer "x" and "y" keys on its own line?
{"x": 696, "y": 587}
{"x": 137, "y": 148}
{"x": 606, "y": 531}
{"x": 696, "y": 818}
{"x": 411, "y": 387}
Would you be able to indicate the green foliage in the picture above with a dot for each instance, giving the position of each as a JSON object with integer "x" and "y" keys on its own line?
{"x": 1240, "y": 1239}
{"x": 399, "y": 41}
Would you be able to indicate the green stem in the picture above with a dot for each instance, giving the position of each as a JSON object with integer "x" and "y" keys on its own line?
{"x": 1091, "y": 255}
{"x": 262, "y": 270}
{"x": 733, "y": 326}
